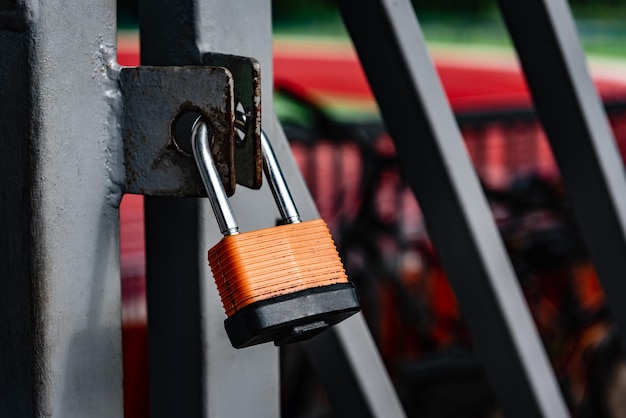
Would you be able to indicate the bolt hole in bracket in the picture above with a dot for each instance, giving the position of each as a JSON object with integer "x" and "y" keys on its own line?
{"x": 161, "y": 104}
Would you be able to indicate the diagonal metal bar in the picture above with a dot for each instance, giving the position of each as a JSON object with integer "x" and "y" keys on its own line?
{"x": 579, "y": 133}
{"x": 393, "y": 53}
{"x": 345, "y": 357}
{"x": 349, "y": 367}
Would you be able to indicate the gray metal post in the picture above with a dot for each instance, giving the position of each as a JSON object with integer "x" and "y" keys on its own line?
{"x": 436, "y": 165}
{"x": 580, "y": 136}
{"x": 193, "y": 369}
{"x": 61, "y": 170}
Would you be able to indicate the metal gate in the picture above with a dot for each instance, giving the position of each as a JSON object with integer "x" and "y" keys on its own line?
{"x": 67, "y": 114}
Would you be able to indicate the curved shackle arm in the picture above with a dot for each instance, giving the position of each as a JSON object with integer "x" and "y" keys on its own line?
{"x": 276, "y": 180}
{"x": 274, "y": 175}
{"x": 201, "y": 145}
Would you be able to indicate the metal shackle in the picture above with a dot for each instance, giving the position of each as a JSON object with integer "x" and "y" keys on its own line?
{"x": 276, "y": 180}
{"x": 201, "y": 145}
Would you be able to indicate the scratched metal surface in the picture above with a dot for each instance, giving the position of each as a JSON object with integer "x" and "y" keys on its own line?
{"x": 154, "y": 97}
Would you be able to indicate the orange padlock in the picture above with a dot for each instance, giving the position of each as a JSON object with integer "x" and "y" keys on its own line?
{"x": 281, "y": 284}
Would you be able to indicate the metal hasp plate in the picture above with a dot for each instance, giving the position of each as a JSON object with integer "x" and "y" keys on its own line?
{"x": 247, "y": 73}
{"x": 154, "y": 97}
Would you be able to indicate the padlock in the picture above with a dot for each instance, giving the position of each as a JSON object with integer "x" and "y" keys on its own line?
{"x": 282, "y": 284}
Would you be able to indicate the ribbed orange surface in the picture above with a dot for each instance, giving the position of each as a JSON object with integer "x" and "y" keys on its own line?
{"x": 258, "y": 265}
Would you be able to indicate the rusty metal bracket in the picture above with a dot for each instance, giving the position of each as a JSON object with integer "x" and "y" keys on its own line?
{"x": 154, "y": 99}
{"x": 247, "y": 75}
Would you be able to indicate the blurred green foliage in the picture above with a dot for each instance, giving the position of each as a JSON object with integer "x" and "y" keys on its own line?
{"x": 127, "y": 13}
{"x": 288, "y": 9}
{"x": 285, "y": 10}
{"x": 600, "y": 22}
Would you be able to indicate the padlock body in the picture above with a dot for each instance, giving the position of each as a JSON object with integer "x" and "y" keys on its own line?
{"x": 292, "y": 317}
{"x": 257, "y": 265}
{"x": 283, "y": 283}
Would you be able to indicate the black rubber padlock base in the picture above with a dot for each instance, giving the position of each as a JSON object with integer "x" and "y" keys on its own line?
{"x": 292, "y": 317}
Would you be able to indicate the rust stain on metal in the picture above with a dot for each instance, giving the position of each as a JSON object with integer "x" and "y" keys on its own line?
{"x": 247, "y": 92}
{"x": 154, "y": 97}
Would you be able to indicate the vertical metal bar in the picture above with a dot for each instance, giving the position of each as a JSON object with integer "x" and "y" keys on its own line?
{"x": 19, "y": 301}
{"x": 60, "y": 343}
{"x": 167, "y": 35}
{"x": 394, "y": 55}
{"x": 194, "y": 370}
{"x": 577, "y": 128}
{"x": 172, "y": 288}
{"x": 240, "y": 28}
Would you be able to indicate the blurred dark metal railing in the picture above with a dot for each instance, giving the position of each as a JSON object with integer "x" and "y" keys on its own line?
{"x": 353, "y": 174}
